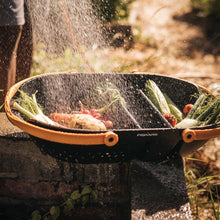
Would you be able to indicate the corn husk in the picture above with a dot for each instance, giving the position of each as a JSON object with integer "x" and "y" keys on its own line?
{"x": 156, "y": 96}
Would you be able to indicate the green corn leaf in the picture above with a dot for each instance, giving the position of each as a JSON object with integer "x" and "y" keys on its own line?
{"x": 156, "y": 96}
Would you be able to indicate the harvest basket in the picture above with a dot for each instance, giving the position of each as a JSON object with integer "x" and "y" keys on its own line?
{"x": 140, "y": 131}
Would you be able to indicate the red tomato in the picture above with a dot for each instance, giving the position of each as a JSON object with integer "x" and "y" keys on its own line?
{"x": 97, "y": 116}
{"x": 85, "y": 111}
{"x": 170, "y": 118}
{"x": 187, "y": 109}
{"x": 108, "y": 124}
{"x": 93, "y": 111}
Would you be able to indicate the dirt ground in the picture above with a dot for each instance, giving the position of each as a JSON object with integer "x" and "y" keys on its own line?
{"x": 174, "y": 43}
{"x": 173, "y": 38}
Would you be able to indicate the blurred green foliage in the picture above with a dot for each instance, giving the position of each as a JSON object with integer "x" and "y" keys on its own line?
{"x": 208, "y": 11}
{"x": 207, "y": 8}
{"x": 111, "y": 10}
{"x": 44, "y": 62}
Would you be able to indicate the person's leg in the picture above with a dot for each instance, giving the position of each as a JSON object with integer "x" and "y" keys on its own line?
{"x": 25, "y": 50}
{"x": 9, "y": 40}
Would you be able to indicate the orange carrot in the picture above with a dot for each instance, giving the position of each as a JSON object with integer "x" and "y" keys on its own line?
{"x": 61, "y": 118}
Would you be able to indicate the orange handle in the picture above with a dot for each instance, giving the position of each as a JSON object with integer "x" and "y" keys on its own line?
{"x": 190, "y": 135}
{"x": 108, "y": 138}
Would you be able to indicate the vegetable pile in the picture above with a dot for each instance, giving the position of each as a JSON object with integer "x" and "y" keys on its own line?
{"x": 83, "y": 119}
{"x": 95, "y": 111}
{"x": 30, "y": 109}
{"x": 163, "y": 103}
{"x": 205, "y": 111}
{"x": 107, "y": 94}
{"x": 86, "y": 118}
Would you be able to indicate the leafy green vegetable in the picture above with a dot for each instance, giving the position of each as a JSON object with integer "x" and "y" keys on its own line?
{"x": 109, "y": 95}
{"x": 205, "y": 111}
{"x": 187, "y": 123}
{"x": 195, "y": 111}
{"x": 173, "y": 108}
{"x": 30, "y": 109}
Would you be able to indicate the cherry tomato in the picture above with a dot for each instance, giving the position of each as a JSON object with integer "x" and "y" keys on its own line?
{"x": 85, "y": 111}
{"x": 93, "y": 111}
{"x": 187, "y": 109}
{"x": 108, "y": 124}
{"x": 171, "y": 119}
{"x": 97, "y": 116}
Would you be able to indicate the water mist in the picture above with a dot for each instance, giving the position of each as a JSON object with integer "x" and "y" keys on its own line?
{"x": 61, "y": 24}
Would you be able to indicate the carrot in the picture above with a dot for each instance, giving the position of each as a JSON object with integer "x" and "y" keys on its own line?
{"x": 64, "y": 119}
{"x": 61, "y": 118}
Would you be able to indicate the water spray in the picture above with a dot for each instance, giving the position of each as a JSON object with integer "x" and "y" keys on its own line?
{"x": 71, "y": 31}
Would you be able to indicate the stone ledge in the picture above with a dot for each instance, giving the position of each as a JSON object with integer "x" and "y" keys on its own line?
{"x": 6, "y": 127}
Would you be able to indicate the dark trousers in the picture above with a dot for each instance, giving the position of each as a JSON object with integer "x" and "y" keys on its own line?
{"x": 16, "y": 49}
